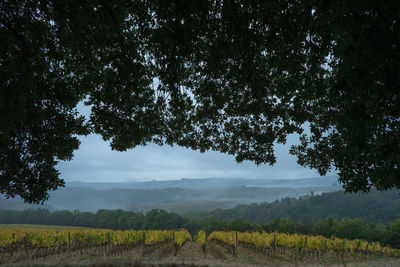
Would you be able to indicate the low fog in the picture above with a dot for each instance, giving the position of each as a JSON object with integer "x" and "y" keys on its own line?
{"x": 182, "y": 196}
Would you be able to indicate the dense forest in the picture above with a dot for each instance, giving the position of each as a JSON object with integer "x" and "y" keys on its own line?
{"x": 374, "y": 207}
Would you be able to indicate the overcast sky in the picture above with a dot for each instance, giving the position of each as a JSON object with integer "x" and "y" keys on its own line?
{"x": 96, "y": 162}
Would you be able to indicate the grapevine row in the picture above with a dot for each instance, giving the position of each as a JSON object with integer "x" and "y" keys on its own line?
{"x": 47, "y": 241}
{"x": 301, "y": 244}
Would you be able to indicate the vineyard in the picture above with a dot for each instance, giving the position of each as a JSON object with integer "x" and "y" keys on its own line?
{"x": 21, "y": 243}
{"x": 298, "y": 245}
{"x": 38, "y": 242}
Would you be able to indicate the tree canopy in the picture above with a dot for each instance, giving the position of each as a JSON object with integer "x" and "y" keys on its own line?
{"x": 230, "y": 76}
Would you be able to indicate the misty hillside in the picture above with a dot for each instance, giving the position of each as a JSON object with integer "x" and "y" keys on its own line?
{"x": 373, "y": 207}
{"x": 207, "y": 183}
{"x": 171, "y": 199}
{"x": 185, "y": 195}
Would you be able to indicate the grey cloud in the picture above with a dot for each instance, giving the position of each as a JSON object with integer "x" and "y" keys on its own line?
{"x": 95, "y": 161}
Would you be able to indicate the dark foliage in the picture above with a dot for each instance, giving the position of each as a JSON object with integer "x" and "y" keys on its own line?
{"x": 374, "y": 207}
{"x": 230, "y": 76}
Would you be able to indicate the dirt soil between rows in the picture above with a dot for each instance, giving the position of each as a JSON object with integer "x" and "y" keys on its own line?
{"x": 191, "y": 254}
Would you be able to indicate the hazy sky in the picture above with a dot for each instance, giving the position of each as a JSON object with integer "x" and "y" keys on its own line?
{"x": 95, "y": 161}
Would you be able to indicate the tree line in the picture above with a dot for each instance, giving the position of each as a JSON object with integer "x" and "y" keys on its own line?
{"x": 374, "y": 207}
{"x": 160, "y": 219}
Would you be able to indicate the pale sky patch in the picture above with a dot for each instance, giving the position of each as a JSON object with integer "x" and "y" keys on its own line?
{"x": 96, "y": 162}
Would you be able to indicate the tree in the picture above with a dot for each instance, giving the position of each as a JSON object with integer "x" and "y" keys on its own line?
{"x": 230, "y": 76}
{"x": 62, "y": 217}
{"x": 239, "y": 224}
{"x": 160, "y": 219}
{"x": 394, "y": 233}
{"x": 325, "y": 228}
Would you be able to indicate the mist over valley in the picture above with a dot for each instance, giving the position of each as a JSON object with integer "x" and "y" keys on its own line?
{"x": 182, "y": 196}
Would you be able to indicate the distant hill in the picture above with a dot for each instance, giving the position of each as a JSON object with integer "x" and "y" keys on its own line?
{"x": 207, "y": 183}
{"x": 18, "y": 204}
{"x": 373, "y": 207}
{"x": 185, "y": 195}
{"x": 175, "y": 199}
{"x": 13, "y": 204}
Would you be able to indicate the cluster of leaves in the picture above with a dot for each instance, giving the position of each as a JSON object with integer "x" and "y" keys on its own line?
{"x": 231, "y": 76}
